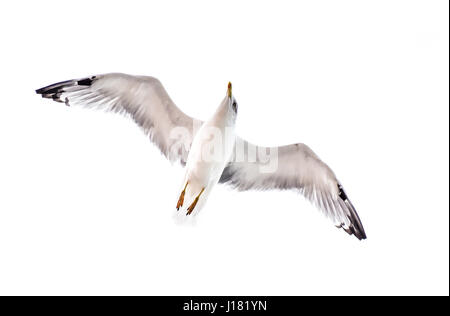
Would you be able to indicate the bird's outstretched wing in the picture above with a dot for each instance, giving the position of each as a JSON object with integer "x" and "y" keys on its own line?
{"x": 143, "y": 98}
{"x": 298, "y": 168}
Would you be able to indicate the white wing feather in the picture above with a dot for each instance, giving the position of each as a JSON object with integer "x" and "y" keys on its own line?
{"x": 299, "y": 168}
{"x": 143, "y": 98}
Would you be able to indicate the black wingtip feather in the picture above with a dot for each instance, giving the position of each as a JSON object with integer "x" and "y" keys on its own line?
{"x": 356, "y": 228}
{"x": 54, "y": 91}
{"x": 54, "y": 87}
{"x": 86, "y": 81}
{"x": 342, "y": 194}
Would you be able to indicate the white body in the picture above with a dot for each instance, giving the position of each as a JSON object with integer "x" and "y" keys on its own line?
{"x": 210, "y": 152}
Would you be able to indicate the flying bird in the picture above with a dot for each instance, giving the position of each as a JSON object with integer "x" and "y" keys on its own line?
{"x": 233, "y": 161}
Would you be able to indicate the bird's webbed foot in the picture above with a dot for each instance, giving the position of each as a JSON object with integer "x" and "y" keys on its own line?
{"x": 181, "y": 199}
{"x": 192, "y": 206}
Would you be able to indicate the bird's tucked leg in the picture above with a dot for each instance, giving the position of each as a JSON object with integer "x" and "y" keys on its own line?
{"x": 192, "y": 206}
{"x": 181, "y": 199}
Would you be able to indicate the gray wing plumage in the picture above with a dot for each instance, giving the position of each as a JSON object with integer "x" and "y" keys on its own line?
{"x": 149, "y": 105}
{"x": 299, "y": 168}
{"x": 143, "y": 98}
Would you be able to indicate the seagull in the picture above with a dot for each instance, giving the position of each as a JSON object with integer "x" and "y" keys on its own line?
{"x": 180, "y": 140}
{"x": 204, "y": 168}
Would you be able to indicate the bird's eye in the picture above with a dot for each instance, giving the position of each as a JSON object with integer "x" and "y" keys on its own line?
{"x": 234, "y": 104}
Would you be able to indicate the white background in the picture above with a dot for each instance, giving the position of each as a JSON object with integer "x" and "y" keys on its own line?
{"x": 86, "y": 199}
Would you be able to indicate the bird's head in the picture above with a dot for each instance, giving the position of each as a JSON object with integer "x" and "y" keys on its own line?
{"x": 230, "y": 99}
{"x": 228, "y": 107}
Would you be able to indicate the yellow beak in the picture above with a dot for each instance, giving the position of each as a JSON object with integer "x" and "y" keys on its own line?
{"x": 229, "y": 89}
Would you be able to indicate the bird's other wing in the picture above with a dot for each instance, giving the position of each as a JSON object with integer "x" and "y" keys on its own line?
{"x": 297, "y": 168}
{"x": 143, "y": 98}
